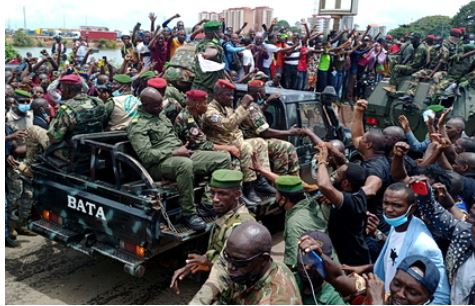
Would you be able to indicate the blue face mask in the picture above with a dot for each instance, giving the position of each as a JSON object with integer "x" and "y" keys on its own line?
{"x": 398, "y": 221}
{"x": 116, "y": 93}
{"x": 24, "y": 107}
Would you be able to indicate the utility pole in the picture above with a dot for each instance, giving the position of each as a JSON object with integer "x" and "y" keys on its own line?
{"x": 24, "y": 18}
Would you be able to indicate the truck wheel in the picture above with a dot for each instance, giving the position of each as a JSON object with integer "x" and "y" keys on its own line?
{"x": 134, "y": 270}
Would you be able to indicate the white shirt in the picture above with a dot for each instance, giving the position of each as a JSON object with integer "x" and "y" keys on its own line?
{"x": 247, "y": 60}
{"x": 463, "y": 282}
{"x": 141, "y": 49}
{"x": 271, "y": 49}
{"x": 392, "y": 258}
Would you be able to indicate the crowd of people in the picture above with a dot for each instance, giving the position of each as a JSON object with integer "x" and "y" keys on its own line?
{"x": 397, "y": 227}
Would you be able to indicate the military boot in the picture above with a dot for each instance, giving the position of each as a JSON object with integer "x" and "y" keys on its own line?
{"x": 195, "y": 222}
{"x": 263, "y": 186}
{"x": 10, "y": 243}
{"x": 250, "y": 193}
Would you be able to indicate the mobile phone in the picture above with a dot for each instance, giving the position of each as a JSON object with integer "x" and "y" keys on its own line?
{"x": 420, "y": 188}
{"x": 313, "y": 259}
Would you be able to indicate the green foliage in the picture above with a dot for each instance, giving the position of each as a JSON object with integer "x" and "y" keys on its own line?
{"x": 106, "y": 44}
{"x": 460, "y": 19}
{"x": 282, "y": 23}
{"x": 10, "y": 52}
{"x": 20, "y": 39}
{"x": 436, "y": 25}
{"x": 40, "y": 43}
{"x": 295, "y": 29}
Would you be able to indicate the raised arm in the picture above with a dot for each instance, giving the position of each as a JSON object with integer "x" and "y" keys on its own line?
{"x": 357, "y": 128}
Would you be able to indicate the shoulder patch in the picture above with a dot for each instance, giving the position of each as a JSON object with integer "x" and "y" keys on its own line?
{"x": 135, "y": 120}
{"x": 64, "y": 106}
{"x": 191, "y": 120}
{"x": 215, "y": 118}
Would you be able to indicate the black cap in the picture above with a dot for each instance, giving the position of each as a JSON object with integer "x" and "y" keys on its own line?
{"x": 431, "y": 275}
{"x": 356, "y": 175}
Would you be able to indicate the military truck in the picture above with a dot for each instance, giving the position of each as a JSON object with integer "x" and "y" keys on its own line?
{"x": 110, "y": 205}
{"x": 384, "y": 110}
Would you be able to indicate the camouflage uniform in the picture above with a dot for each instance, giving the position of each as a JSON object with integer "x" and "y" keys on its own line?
{"x": 420, "y": 60}
{"x": 437, "y": 54}
{"x": 276, "y": 287}
{"x": 189, "y": 129}
{"x": 172, "y": 92}
{"x": 120, "y": 111}
{"x": 206, "y": 80}
{"x": 153, "y": 139}
{"x": 20, "y": 191}
{"x": 282, "y": 154}
{"x": 171, "y": 108}
{"x": 221, "y": 126}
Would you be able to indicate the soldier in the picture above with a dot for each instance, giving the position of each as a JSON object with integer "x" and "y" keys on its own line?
{"x": 226, "y": 191}
{"x": 189, "y": 125}
{"x": 209, "y": 54}
{"x": 120, "y": 109}
{"x": 159, "y": 149}
{"x": 79, "y": 114}
{"x": 419, "y": 61}
{"x": 282, "y": 154}
{"x": 222, "y": 127}
{"x": 121, "y": 85}
{"x": 256, "y": 278}
{"x": 171, "y": 107}
{"x": 438, "y": 55}
{"x": 20, "y": 193}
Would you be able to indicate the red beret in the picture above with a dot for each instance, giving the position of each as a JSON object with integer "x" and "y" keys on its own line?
{"x": 70, "y": 79}
{"x": 430, "y": 36}
{"x": 389, "y": 37}
{"x": 197, "y": 95}
{"x": 225, "y": 84}
{"x": 157, "y": 83}
{"x": 200, "y": 36}
{"x": 456, "y": 32}
{"x": 256, "y": 83}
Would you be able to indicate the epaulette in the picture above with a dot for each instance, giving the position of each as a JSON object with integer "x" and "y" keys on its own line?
{"x": 135, "y": 120}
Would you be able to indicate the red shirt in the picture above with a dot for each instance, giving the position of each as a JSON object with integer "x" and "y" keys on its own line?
{"x": 302, "y": 65}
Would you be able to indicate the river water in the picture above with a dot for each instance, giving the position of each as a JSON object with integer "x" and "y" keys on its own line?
{"x": 113, "y": 55}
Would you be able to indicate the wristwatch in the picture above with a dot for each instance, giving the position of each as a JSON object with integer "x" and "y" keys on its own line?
{"x": 380, "y": 236}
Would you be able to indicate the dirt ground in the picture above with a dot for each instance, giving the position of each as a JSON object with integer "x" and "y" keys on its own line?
{"x": 44, "y": 272}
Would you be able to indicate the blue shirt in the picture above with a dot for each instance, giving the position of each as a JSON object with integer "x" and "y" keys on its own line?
{"x": 229, "y": 49}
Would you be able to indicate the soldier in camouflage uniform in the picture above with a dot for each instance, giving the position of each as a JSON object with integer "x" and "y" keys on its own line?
{"x": 159, "y": 149}
{"x": 209, "y": 49}
{"x": 256, "y": 278}
{"x": 222, "y": 127}
{"x": 419, "y": 61}
{"x": 20, "y": 192}
{"x": 282, "y": 154}
{"x": 438, "y": 56}
{"x": 226, "y": 190}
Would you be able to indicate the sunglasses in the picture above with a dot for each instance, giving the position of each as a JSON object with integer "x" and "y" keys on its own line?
{"x": 240, "y": 263}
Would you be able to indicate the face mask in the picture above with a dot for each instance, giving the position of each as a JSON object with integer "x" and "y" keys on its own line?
{"x": 116, "y": 93}
{"x": 24, "y": 107}
{"x": 398, "y": 220}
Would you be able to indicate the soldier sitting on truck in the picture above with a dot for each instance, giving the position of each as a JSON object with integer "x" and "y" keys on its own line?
{"x": 222, "y": 127}
{"x": 226, "y": 191}
{"x": 154, "y": 140}
{"x": 282, "y": 154}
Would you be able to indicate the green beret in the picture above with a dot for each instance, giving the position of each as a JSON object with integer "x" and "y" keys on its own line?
{"x": 436, "y": 108}
{"x": 289, "y": 183}
{"x": 224, "y": 178}
{"x": 171, "y": 75}
{"x": 22, "y": 93}
{"x": 122, "y": 79}
{"x": 212, "y": 25}
{"x": 148, "y": 74}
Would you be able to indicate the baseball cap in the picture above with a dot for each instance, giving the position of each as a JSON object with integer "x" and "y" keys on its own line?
{"x": 430, "y": 276}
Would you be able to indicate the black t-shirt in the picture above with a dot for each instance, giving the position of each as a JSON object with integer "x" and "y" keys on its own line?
{"x": 378, "y": 166}
{"x": 347, "y": 227}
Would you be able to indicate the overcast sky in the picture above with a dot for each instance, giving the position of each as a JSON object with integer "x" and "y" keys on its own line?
{"x": 122, "y": 15}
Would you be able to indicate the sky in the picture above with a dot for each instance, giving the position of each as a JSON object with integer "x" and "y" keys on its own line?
{"x": 122, "y": 15}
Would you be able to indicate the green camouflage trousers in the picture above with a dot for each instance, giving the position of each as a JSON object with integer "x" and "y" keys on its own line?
{"x": 36, "y": 141}
{"x": 19, "y": 197}
{"x": 283, "y": 157}
{"x": 248, "y": 146}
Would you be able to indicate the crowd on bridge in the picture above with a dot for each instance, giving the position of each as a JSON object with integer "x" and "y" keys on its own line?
{"x": 394, "y": 226}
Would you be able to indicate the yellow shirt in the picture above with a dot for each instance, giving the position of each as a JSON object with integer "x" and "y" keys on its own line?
{"x": 175, "y": 44}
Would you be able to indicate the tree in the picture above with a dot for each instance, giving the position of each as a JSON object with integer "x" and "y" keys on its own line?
{"x": 282, "y": 23}
{"x": 10, "y": 52}
{"x": 436, "y": 25}
{"x": 20, "y": 39}
{"x": 465, "y": 17}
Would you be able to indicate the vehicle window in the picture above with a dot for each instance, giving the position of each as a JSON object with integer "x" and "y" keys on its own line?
{"x": 311, "y": 116}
